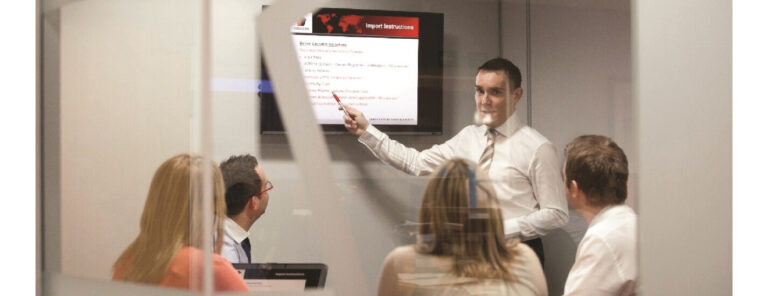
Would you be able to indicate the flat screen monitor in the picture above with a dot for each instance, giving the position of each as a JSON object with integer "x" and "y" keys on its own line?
{"x": 387, "y": 64}
{"x": 274, "y": 277}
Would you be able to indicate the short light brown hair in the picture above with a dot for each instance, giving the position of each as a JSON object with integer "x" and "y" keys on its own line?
{"x": 599, "y": 167}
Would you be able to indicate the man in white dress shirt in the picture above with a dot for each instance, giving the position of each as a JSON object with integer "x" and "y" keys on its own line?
{"x": 247, "y": 198}
{"x": 596, "y": 172}
{"x": 522, "y": 162}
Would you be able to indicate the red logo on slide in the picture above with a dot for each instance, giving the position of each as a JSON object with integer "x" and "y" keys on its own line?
{"x": 351, "y": 23}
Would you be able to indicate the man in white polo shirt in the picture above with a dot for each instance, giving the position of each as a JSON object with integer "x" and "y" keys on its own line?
{"x": 247, "y": 198}
{"x": 595, "y": 174}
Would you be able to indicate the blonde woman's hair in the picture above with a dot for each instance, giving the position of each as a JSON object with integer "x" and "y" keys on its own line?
{"x": 170, "y": 220}
{"x": 469, "y": 231}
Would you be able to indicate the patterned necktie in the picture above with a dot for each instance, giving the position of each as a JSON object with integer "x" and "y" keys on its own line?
{"x": 247, "y": 248}
{"x": 487, "y": 156}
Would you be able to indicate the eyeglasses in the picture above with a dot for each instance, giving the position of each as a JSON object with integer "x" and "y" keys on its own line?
{"x": 269, "y": 187}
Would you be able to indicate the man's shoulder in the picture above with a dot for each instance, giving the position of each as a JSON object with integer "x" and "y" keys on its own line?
{"x": 613, "y": 241}
{"x": 618, "y": 228}
{"x": 527, "y": 140}
{"x": 532, "y": 136}
{"x": 619, "y": 216}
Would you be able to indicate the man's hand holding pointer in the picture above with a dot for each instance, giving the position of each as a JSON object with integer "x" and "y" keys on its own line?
{"x": 355, "y": 121}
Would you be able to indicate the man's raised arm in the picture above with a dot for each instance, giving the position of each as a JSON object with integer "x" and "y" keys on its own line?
{"x": 394, "y": 153}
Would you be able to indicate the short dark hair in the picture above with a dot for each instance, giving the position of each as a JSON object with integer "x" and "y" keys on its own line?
{"x": 241, "y": 181}
{"x": 502, "y": 64}
{"x": 599, "y": 167}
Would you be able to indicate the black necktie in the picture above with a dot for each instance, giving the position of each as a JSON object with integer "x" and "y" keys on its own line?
{"x": 247, "y": 247}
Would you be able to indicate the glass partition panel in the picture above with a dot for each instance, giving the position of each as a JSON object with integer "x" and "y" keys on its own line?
{"x": 129, "y": 185}
{"x": 322, "y": 210}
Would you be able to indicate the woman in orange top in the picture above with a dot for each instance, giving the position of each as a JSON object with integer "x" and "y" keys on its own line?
{"x": 166, "y": 252}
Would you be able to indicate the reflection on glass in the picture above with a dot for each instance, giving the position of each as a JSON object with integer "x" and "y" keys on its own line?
{"x": 461, "y": 248}
{"x": 102, "y": 96}
{"x": 167, "y": 251}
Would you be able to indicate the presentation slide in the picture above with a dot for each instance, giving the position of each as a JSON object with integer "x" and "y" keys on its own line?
{"x": 370, "y": 62}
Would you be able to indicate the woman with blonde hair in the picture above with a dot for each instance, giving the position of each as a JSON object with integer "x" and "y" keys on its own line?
{"x": 167, "y": 251}
{"x": 461, "y": 248}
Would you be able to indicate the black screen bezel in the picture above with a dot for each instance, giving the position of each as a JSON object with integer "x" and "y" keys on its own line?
{"x": 430, "y": 80}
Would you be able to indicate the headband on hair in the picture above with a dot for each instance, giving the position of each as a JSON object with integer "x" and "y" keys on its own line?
{"x": 472, "y": 189}
{"x": 472, "y": 185}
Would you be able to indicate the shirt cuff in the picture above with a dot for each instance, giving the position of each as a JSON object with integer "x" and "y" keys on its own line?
{"x": 371, "y": 136}
{"x": 511, "y": 229}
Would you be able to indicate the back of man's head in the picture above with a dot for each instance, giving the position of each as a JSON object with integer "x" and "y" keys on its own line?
{"x": 241, "y": 180}
{"x": 599, "y": 167}
{"x": 502, "y": 64}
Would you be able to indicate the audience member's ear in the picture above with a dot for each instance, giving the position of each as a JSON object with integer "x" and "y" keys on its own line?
{"x": 573, "y": 188}
{"x": 253, "y": 204}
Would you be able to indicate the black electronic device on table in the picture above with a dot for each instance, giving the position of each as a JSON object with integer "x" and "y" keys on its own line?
{"x": 282, "y": 276}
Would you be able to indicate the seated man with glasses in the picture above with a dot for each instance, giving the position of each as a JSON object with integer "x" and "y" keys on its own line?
{"x": 247, "y": 198}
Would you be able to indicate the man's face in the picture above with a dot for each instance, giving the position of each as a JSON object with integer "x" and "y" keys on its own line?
{"x": 264, "y": 198}
{"x": 494, "y": 97}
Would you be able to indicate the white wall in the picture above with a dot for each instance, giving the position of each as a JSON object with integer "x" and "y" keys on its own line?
{"x": 126, "y": 81}
{"x": 684, "y": 128}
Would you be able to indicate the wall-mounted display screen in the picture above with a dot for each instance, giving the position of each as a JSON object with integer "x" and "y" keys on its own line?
{"x": 388, "y": 64}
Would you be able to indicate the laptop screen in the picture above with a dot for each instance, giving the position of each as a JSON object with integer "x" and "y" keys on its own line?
{"x": 283, "y": 277}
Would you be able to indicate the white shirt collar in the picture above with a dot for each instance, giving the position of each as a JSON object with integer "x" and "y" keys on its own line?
{"x": 607, "y": 211}
{"x": 510, "y": 126}
{"x": 235, "y": 230}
